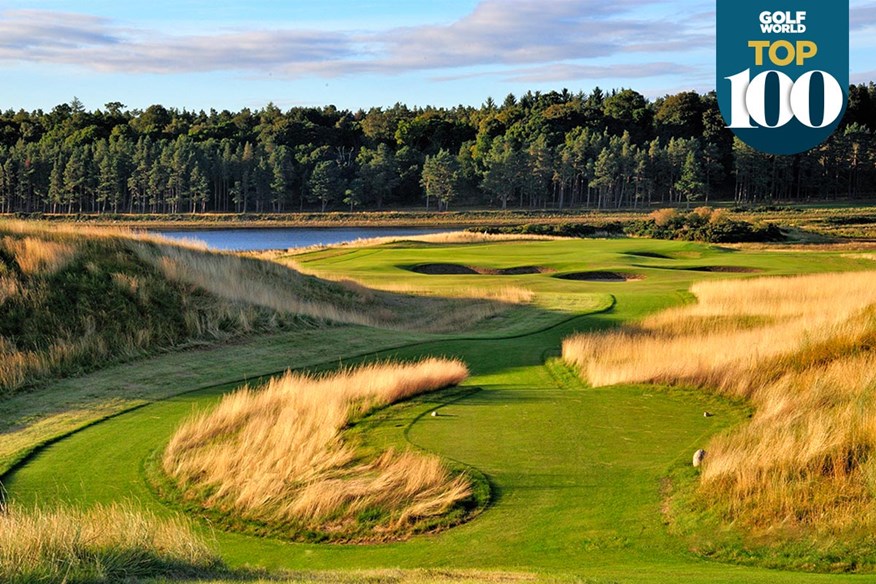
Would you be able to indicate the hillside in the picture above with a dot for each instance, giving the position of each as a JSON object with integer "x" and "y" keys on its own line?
{"x": 72, "y": 300}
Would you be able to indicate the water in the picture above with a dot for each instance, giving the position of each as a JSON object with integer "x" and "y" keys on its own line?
{"x": 256, "y": 239}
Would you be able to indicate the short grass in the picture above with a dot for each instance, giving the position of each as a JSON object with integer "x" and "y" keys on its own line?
{"x": 578, "y": 474}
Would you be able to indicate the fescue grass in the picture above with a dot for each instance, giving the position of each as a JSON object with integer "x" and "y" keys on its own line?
{"x": 798, "y": 482}
{"x": 277, "y": 456}
{"x": 71, "y": 303}
{"x": 74, "y": 299}
{"x": 277, "y": 287}
{"x": 106, "y": 543}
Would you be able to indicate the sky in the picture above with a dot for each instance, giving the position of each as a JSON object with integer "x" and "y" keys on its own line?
{"x": 202, "y": 54}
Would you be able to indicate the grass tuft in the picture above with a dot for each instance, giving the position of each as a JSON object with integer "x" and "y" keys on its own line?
{"x": 277, "y": 456}
{"x": 102, "y": 544}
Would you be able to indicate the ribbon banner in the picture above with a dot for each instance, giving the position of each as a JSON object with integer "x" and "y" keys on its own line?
{"x": 783, "y": 71}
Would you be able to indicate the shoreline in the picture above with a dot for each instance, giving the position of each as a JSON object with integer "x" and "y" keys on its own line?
{"x": 362, "y": 219}
{"x": 842, "y": 220}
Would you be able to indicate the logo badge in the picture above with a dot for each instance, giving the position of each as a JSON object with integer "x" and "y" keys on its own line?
{"x": 783, "y": 71}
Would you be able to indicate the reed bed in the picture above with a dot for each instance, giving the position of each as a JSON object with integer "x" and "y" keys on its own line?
{"x": 800, "y": 350}
{"x": 277, "y": 456}
{"x": 102, "y": 544}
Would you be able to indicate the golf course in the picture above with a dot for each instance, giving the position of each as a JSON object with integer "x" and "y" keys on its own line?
{"x": 579, "y": 481}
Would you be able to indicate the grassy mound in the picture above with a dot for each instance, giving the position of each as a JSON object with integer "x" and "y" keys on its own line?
{"x": 794, "y": 486}
{"x": 71, "y": 303}
{"x": 277, "y": 459}
{"x": 103, "y": 544}
{"x": 72, "y": 300}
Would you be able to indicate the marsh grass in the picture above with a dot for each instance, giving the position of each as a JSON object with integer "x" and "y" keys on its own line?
{"x": 278, "y": 456}
{"x": 800, "y": 351}
{"x": 101, "y": 544}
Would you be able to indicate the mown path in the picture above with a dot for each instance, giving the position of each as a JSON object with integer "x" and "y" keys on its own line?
{"x": 576, "y": 471}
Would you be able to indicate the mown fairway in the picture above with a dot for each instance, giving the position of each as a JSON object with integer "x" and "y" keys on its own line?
{"x": 576, "y": 472}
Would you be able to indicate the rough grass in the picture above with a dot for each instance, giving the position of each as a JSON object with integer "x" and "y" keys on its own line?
{"x": 74, "y": 299}
{"x": 71, "y": 303}
{"x": 291, "y": 290}
{"x": 277, "y": 456}
{"x": 389, "y": 577}
{"x": 102, "y": 544}
{"x": 798, "y": 481}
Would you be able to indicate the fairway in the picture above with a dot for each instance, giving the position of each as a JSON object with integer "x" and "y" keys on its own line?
{"x": 576, "y": 473}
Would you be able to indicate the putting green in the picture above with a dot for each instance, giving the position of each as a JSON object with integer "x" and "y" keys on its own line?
{"x": 576, "y": 472}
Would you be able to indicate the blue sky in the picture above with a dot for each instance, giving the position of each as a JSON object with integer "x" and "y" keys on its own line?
{"x": 198, "y": 54}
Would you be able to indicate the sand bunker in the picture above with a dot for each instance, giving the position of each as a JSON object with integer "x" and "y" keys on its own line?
{"x": 460, "y": 270}
{"x": 601, "y": 276}
{"x": 649, "y": 254}
{"x": 725, "y": 269}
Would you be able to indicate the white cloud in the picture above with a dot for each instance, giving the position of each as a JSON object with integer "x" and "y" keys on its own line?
{"x": 862, "y": 15}
{"x": 497, "y": 34}
{"x": 576, "y": 72}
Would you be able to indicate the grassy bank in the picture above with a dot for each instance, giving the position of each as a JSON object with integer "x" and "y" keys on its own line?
{"x": 74, "y": 300}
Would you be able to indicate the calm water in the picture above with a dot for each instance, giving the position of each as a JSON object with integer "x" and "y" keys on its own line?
{"x": 284, "y": 238}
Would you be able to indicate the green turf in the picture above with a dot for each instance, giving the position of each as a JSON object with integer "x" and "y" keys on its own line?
{"x": 576, "y": 472}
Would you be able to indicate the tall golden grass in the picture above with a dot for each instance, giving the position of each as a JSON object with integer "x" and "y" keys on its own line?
{"x": 289, "y": 290}
{"x": 35, "y": 256}
{"x": 44, "y": 332}
{"x": 800, "y": 350}
{"x": 215, "y": 295}
{"x": 245, "y": 280}
{"x": 102, "y": 544}
{"x": 277, "y": 455}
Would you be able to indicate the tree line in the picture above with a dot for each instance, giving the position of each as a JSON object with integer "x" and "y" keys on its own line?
{"x": 557, "y": 149}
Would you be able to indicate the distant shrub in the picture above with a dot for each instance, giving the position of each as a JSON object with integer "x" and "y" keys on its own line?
{"x": 702, "y": 224}
{"x": 610, "y": 229}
